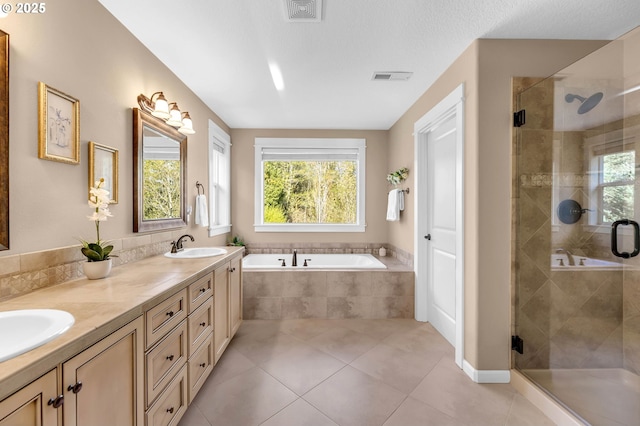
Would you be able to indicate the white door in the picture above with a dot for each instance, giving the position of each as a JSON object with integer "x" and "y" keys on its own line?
{"x": 440, "y": 239}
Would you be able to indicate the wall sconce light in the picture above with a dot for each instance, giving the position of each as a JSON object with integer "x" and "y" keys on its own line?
{"x": 158, "y": 106}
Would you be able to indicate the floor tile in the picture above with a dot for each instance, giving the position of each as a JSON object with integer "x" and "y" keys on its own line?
{"x": 420, "y": 339}
{"x": 342, "y": 343}
{"x": 247, "y": 399}
{"x": 300, "y": 413}
{"x": 307, "y": 328}
{"x": 231, "y": 364}
{"x": 415, "y": 413}
{"x": 259, "y": 349}
{"x": 400, "y": 369}
{"x": 450, "y": 391}
{"x": 302, "y": 368}
{"x": 353, "y": 398}
{"x": 380, "y": 328}
{"x": 524, "y": 413}
{"x": 193, "y": 417}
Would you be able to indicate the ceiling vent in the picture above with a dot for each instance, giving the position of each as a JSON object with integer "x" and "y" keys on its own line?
{"x": 392, "y": 76}
{"x": 303, "y": 10}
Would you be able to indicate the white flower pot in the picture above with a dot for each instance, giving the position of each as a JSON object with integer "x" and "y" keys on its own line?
{"x": 97, "y": 270}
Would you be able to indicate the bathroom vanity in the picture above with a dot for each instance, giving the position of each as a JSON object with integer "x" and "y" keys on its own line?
{"x": 144, "y": 342}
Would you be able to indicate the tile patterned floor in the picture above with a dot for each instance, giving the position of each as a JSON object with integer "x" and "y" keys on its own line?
{"x": 349, "y": 372}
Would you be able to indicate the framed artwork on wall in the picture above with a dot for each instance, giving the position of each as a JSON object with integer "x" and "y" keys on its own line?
{"x": 103, "y": 163}
{"x": 58, "y": 126}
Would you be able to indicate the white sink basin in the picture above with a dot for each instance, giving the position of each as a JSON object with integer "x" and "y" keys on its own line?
{"x": 196, "y": 252}
{"x": 23, "y": 330}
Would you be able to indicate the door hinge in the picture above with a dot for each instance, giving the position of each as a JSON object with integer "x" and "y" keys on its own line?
{"x": 517, "y": 344}
{"x": 519, "y": 118}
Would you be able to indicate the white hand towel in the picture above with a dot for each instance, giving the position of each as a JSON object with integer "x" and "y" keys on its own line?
{"x": 202, "y": 215}
{"x": 393, "y": 205}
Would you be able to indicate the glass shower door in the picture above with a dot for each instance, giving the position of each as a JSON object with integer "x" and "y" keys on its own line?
{"x": 577, "y": 291}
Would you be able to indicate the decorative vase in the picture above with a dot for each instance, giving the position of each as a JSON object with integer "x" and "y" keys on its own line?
{"x": 97, "y": 270}
{"x": 382, "y": 252}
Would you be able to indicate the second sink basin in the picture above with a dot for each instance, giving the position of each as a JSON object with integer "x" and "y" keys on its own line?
{"x": 196, "y": 252}
{"x": 23, "y": 330}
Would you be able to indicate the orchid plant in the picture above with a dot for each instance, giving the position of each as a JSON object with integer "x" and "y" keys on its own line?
{"x": 99, "y": 201}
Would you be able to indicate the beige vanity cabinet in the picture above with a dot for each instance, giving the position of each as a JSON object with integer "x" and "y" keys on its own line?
{"x": 33, "y": 405}
{"x": 103, "y": 385}
{"x": 227, "y": 298}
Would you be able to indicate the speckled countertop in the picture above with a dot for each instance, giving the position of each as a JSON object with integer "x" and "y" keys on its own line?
{"x": 100, "y": 307}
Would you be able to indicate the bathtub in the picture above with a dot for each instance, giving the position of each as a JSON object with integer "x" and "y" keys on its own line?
{"x": 314, "y": 261}
{"x": 560, "y": 262}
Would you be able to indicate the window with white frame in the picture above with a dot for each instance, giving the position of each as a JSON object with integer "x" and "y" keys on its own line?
{"x": 219, "y": 180}
{"x": 612, "y": 180}
{"x": 310, "y": 185}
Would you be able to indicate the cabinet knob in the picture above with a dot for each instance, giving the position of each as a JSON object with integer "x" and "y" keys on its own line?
{"x": 202, "y": 290}
{"x": 75, "y": 388}
{"x": 170, "y": 313}
{"x": 232, "y": 269}
{"x": 170, "y": 410}
{"x": 56, "y": 402}
{"x": 203, "y": 365}
{"x": 170, "y": 358}
{"x": 203, "y": 324}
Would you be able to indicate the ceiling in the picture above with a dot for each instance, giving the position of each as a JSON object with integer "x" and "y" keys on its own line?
{"x": 222, "y": 50}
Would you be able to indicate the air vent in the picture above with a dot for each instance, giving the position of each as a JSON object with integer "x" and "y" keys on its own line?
{"x": 392, "y": 76}
{"x": 303, "y": 10}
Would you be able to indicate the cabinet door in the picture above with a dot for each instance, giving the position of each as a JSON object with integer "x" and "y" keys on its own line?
{"x": 103, "y": 385}
{"x": 29, "y": 406}
{"x": 235, "y": 294}
{"x": 221, "y": 330}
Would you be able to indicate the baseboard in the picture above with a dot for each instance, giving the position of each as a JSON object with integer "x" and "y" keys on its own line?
{"x": 486, "y": 376}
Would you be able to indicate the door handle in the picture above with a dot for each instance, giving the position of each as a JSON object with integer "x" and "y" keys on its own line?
{"x": 427, "y": 237}
{"x": 614, "y": 238}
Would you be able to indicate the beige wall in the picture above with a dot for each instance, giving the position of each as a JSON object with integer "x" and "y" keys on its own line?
{"x": 485, "y": 68}
{"x": 242, "y": 181}
{"x": 81, "y": 49}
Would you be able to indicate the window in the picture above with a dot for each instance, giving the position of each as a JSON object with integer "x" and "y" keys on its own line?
{"x": 612, "y": 181}
{"x": 310, "y": 185}
{"x": 219, "y": 181}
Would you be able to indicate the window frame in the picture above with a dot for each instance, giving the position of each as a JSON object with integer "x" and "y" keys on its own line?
{"x": 336, "y": 146}
{"x": 219, "y": 181}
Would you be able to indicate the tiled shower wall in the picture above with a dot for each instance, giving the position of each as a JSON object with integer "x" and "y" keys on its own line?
{"x": 567, "y": 319}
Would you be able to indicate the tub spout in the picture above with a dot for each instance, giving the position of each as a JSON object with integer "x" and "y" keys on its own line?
{"x": 294, "y": 260}
{"x": 572, "y": 261}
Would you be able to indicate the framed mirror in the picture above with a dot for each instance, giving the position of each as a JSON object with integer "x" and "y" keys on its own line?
{"x": 4, "y": 140}
{"x": 159, "y": 174}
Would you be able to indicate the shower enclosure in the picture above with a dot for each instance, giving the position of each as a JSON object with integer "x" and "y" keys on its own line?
{"x": 577, "y": 207}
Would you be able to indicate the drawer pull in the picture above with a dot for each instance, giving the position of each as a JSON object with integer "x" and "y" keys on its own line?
{"x": 203, "y": 324}
{"x": 203, "y": 365}
{"x": 56, "y": 402}
{"x": 232, "y": 269}
{"x": 170, "y": 314}
{"x": 202, "y": 290}
{"x": 170, "y": 410}
{"x": 75, "y": 388}
{"x": 170, "y": 358}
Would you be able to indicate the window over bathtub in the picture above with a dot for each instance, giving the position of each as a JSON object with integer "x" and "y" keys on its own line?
{"x": 219, "y": 181}
{"x": 310, "y": 185}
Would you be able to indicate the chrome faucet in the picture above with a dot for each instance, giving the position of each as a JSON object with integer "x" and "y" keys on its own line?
{"x": 294, "y": 261}
{"x": 176, "y": 246}
{"x": 572, "y": 261}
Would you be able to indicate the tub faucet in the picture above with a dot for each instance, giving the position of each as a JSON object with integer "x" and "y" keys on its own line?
{"x": 572, "y": 261}
{"x": 294, "y": 261}
{"x": 176, "y": 246}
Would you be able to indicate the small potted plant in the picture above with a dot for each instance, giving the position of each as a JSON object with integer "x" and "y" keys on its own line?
{"x": 98, "y": 253}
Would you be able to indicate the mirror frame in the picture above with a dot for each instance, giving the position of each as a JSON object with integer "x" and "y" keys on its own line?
{"x": 140, "y": 119}
{"x": 4, "y": 140}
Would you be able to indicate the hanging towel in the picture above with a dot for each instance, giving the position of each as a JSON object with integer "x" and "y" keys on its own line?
{"x": 202, "y": 215}
{"x": 395, "y": 204}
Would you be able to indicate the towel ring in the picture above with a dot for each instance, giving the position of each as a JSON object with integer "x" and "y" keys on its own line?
{"x": 198, "y": 186}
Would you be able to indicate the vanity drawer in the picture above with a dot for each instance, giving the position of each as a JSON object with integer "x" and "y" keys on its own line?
{"x": 200, "y": 366}
{"x": 200, "y": 325}
{"x": 200, "y": 291}
{"x": 164, "y": 360}
{"x": 172, "y": 404}
{"x": 160, "y": 319}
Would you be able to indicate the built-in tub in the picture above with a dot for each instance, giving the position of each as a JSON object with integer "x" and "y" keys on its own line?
{"x": 332, "y": 286}
{"x": 314, "y": 261}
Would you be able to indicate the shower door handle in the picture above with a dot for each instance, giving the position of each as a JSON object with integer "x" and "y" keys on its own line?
{"x": 636, "y": 238}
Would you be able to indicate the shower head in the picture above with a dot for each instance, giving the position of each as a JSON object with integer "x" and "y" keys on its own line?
{"x": 587, "y": 103}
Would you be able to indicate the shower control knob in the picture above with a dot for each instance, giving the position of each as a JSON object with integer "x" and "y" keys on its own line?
{"x": 428, "y": 237}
